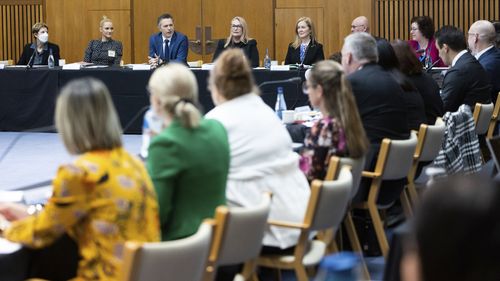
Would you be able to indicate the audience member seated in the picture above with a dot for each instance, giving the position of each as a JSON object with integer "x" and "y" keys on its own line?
{"x": 497, "y": 32}
{"x": 466, "y": 81}
{"x": 423, "y": 42}
{"x": 239, "y": 38}
{"x": 104, "y": 198}
{"x": 168, "y": 45}
{"x": 337, "y": 57}
{"x": 456, "y": 232}
{"x": 425, "y": 84}
{"x": 38, "y": 52}
{"x": 305, "y": 49}
{"x": 262, "y": 158}
{"x": 104, "y": 51}
{"x": 378, "y": 97}
{"x": 189, "y": 160}
{"x": 340, "y": 132}
{"x": 413, "y": 100}
{"x": 362, "y": 24}
{"x": 481, "y": 41}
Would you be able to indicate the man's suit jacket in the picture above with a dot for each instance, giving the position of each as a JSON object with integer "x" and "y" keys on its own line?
{"x": 314, "y": 53}
{"x": 465, "y": 83}
{"x": 178, "y": 49}
{"x": 382, "y": 108}
{"x": 490, "y": 61}
{"x": 380, "y": 103}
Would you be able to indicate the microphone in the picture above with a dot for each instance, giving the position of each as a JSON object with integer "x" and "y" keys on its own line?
{"x": 284, "y": 81}
{"x": 135, "y": 117}
{"x": 432, "y": 65}
{"x": 31, "y": 60}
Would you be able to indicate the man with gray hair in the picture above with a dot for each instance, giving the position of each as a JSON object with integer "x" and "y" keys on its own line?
{"x": 481, "y": 40}
{"x": 378, "y": 96}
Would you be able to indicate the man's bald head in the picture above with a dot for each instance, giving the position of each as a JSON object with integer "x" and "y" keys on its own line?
{"x": 360, "y": 24}
{"x": 481, "y": 35}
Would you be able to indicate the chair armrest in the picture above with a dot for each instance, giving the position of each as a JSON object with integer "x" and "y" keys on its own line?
{"x": 370, "y": 174}
{"x": 287, "y": 224}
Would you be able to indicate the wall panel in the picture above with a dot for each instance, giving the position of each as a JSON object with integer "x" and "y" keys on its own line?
{"x": 16, "y": 20}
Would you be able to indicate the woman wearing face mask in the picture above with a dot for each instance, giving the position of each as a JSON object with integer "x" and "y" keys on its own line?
{"x": 105, "y": 51}
{"x": 238, "y": 38}
{"x": 305, "y": 49}
{"x": 37, "y": 53}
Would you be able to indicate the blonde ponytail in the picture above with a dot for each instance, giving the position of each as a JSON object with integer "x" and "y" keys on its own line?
{"x": 187, "y": 113}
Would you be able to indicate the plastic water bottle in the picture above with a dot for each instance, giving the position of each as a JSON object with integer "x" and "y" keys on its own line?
{"x": 267, "y": 60}
{"x": 280, "y": 103}
{"x": 151, "y": 126}
{"x": 51, "y": 60}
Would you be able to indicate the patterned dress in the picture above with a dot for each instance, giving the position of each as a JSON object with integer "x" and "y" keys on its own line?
{"x": 101, "y": 200}
{"x": 104, "y": 52}
{"x": 325, "y": 139}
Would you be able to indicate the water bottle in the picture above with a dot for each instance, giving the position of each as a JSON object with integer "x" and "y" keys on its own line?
{"x": 280, "y": 103}
{"x": 427, "y": 62}
{"x": 51, "y": 60}
{"x": 151, "y": 126}
{"x": 267, "y": 60}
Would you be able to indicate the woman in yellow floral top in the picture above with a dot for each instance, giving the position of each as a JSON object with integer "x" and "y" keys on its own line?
{"x": 102, "y": 199}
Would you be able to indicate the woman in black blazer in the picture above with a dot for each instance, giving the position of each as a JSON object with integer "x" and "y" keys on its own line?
{"x": 305, "y": 49}
{"x": 37, "y": 53}
{"x": 238, "y": 38}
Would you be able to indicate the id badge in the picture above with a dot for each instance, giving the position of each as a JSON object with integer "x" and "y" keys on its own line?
{"x": 111, "y": 53}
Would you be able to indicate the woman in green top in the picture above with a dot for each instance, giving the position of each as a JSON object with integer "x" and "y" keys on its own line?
{"x": 189, "y": 160}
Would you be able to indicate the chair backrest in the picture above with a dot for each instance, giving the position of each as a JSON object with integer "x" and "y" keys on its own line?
{"x": 328, "y": 201}
{"x": 182, "y": 259}
{"x": 396, "y": 157}
{"x": 357, "y": 165}
{"x": 239, "y": 232}
{"x": 482, "y": 117}
{"x": 430, "y": 138}
{"x": 494, "y": 117}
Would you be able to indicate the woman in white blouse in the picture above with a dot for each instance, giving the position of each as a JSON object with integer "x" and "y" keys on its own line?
{"x": 262, "y": 158}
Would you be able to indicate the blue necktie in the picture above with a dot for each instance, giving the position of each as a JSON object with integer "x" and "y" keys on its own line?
{"x": 302, "y": 53}
{"x": 166, "y": 52}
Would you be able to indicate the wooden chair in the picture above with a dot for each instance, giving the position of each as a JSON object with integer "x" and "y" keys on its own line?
{"x": 238, "y": 238}
{"x": 482, "y": 117}
{"x": 494, "y": 118}
{"x": 357, "y": 165}
{"x": 182, "y": 259}
{"x": 429, "y": 142}
{"x": 326, "y": 208}
{"x": 394, "y": 162}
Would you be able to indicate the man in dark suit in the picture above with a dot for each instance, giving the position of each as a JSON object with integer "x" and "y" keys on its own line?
{"x": 481, "y": 41}
{"x": 466, "y": 81}
{"x": 380, "y": 102}
{"x": 168, "y": 45}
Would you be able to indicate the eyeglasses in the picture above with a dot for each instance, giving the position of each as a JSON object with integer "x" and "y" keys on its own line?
{"x": 414, "y": 28}
{"x": 356, "y": 26}
{"x": 472, "y": 34}
{"x": 236, "y": 26}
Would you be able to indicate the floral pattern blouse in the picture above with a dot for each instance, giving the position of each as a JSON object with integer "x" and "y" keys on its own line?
{"x": 325, "y": 139}
{"x": 101, "y": 200}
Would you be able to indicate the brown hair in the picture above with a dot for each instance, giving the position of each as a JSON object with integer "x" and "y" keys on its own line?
{"x": 408, "y": 62}
{"x": 340, "y": 104}
{"x": 312, "y": 35}
{"x": 232, "y": 75}
{"x": 37, "y": 26}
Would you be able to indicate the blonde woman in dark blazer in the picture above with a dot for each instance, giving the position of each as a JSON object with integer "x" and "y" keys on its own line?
{"x": 305, "y": 49}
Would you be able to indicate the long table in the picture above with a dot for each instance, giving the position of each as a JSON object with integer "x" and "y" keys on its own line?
{"x": 27, "y": 96}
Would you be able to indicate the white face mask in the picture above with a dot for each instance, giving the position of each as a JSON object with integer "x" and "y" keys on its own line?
{"x": 44, "y": 37}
